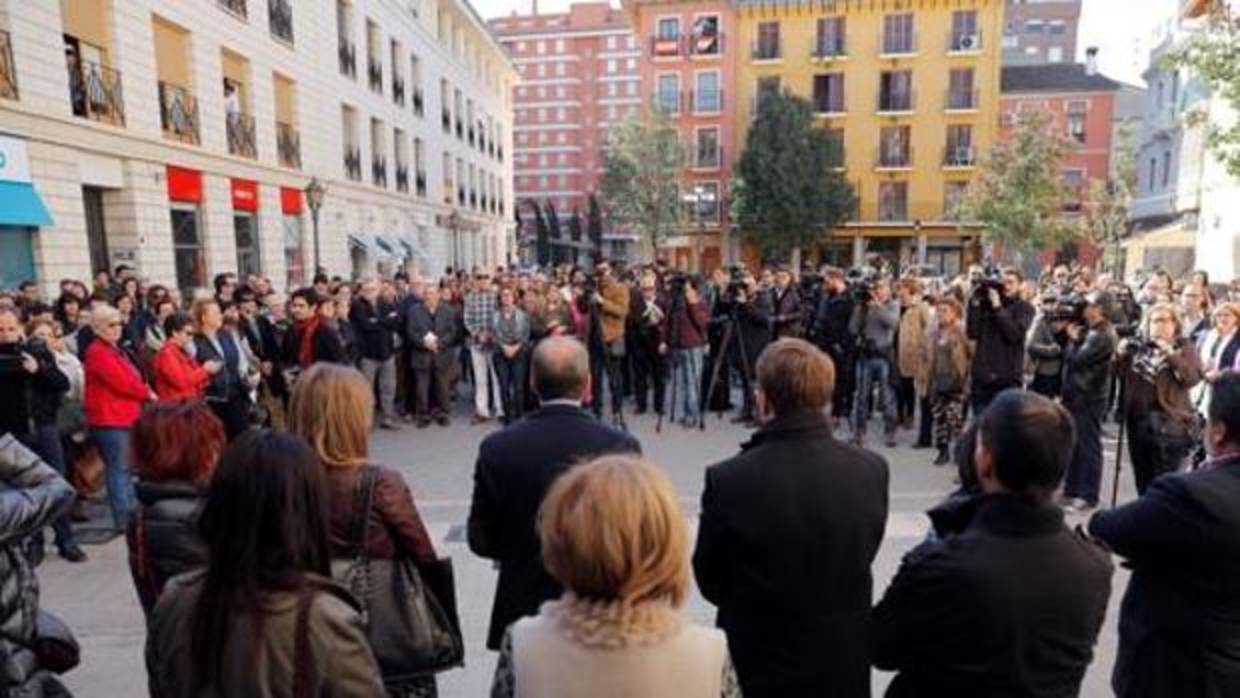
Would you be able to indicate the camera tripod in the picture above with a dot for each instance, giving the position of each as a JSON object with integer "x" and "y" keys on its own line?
{"x": 731, "y": 322}
{"x": 674, "y": 310}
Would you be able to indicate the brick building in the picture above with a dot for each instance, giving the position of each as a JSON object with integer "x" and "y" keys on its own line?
{"x": 1037, "y": 32}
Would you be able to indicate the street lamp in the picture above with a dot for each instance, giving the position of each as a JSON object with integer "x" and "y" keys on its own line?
{"x": 314, "y": 199}
{"x": 699, "y": 195}
{"x": 454, "y": 222}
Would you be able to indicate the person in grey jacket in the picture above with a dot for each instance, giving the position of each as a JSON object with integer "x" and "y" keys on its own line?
{"x": 875, "y": 324}
{"x": 434, "y": 331}
{"x": 1045, "y": 350}
{"x": 512, "y": 339}
{"x": 32, "y": 494}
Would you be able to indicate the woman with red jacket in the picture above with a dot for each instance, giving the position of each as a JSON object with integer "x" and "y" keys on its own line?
{"x": 114, "y": 395}
{"x": 177, "y": 375}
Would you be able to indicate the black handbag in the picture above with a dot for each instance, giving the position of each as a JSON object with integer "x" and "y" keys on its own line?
{"x": 54, "y": 644}
{"x": 408, "y": 606}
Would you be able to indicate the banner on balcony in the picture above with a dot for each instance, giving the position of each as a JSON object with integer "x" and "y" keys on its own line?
{"x": 244, "y": 195}
{"x": 184, "y": 184}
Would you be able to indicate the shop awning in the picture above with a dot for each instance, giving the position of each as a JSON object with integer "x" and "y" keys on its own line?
{"x": 20, "y": 205}
{"x": 384, "y": 245}
{"x": 359, "y": 241}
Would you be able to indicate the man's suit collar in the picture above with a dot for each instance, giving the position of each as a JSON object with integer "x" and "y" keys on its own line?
{"x": 1015, "y": 515}
{"x": 796, "y": 425}
{"x": 559, "y": 410}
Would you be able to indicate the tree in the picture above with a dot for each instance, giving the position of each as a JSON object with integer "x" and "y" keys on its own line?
{"x": 1213, "y": 56}
{"x": 642, "y": 164}
{"x": 1018, "y": 197}
{"x": 1104, "y": 211}
{"x": 788, "y": 192}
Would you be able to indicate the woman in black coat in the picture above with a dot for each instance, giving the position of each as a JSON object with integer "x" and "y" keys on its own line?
{"x": 172, "y": 482}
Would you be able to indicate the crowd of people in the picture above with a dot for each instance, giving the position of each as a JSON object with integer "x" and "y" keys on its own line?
{"x": 232, "y": 542}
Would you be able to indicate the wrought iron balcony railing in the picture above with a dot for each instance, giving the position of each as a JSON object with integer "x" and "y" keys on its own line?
{"x": 236, "y": 7}
{"x": 288, "y": 143}
{"x": 402, "y": 178}
{"x": 353, "y": 163}
{"x": 959, "y": 156}
{"x": 178, "y": 114}
{"x": 241, "y": 135}
{"x": 418, "y": 104}
{"x": 95, "y": 92}
{"x": 378, "y": 173}
{"x": 348, "y": 58}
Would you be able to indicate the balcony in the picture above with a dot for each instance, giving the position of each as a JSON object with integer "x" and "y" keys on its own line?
{"x": 236, "y": 7}
{"x": 959, "y": 156}
{"x": 280, "y": 19}
{"x": 707, "y": 158}
{"x": 964, "y": 42}
{"x": 178, "y": 114}
{"x": 706, "y": 45}
{"x": 398, "y": 90}
{"x": 417, "y": 102}
{"x": 447, "y": 122}
{"x": 460, "y": 196}
{"x": 962, "y": 100}
{"x": 402, "y": 178}
{"x": 707, "y": 101}
{"x": 353, "y": 163}
{"x": 893, "y": 103}
{"x": 460, "y": 130}
{"x": 473, "y": 199}
{"x": 378, "y": 172}
{"x": 8, "y": 70}
{"x": 447, "y": 192}
{"x": 288, "y": 145}
{"x": 767, "y": 51}
{"x": 828, "y": 48}
{"x": 419, "y": 183}
{"x": 898, "y": 44}
{"x": 347, "y": 53}
{"x": 374, "y": 71}
{"x": 667, "y": 46}
{"x": 470, "y": 131}
{"x": 95, "y": 93}
{"x": 240, "y": 131}
{"x": 894, "y": 158}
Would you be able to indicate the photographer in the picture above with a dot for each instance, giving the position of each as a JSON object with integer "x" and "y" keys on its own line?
{"x": 1087, "y": 368}
{"x": 32, "y": 388}
{"x": 786, "y": 319}
{"x": 1157, "y": 372}
{"x": 611, "y": 302}
{"x": 1045, "y": 350}
{"x": 650, "y": 334}
{"x": 874, "y": 324}
{"x": 752, "y": 312}
{"x": 831, "y": 334}
{"x": 997, "y": 322}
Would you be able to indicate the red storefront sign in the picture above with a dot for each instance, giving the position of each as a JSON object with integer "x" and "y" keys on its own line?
{"x": 184, "y": 184}
{"x": 290, "y": 201}
{"x": 244, "y": 195}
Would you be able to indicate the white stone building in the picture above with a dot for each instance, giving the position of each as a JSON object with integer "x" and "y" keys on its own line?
{"x": 178, "y": 137}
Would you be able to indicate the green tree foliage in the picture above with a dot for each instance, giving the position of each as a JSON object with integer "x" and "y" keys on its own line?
{"x": 1213, "y": 56}
{"x": 642, "y": 164}
{"x": 788, "y": 192}
{"x": 1018, "y": 197}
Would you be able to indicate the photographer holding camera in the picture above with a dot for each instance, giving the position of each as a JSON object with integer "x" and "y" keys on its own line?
{"x": 1087, "y": 356}
{"x": 998, "y": 320}
{"x": 786, "y": 320}
{"x": 32, "y": 388}
{"x": 831, "y": 334}
{"x": 874, "y": 323}
{"x": 752, "y": 312}
{"x": 1157, "y": 371}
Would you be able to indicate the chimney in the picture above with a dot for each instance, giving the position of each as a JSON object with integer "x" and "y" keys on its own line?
{"x": 1091, "y": 60}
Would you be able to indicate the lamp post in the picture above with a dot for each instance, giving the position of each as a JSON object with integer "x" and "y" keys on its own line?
{"x": 314, "y": 199}
{"x": 698, "y": 196}
{"x": 454, "y": 222}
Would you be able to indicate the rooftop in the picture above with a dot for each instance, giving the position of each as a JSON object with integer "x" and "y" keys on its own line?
{"x": 1054, "y": 77}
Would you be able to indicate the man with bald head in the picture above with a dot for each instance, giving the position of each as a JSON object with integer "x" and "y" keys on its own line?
{"x": 516, "y": 467}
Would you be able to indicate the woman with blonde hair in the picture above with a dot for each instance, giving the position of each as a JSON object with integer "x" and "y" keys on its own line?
{"x": 332, "y": 408}
{"x": 613, "y": 533}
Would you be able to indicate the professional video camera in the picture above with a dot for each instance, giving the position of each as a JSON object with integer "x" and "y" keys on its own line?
{"x": 860, "y": 283}
{"x": 736, "y": 284}
{"x": 986, "y": 279}
{"x": 11, "y": 354}
{"x": 1068, "y": 309}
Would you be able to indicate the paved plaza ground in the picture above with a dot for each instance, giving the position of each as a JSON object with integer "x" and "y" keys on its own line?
{"x": 97, "y": 598}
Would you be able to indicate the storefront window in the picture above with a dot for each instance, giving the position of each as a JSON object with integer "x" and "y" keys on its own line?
{"x": 187, "y": 249}
{"x": 294, "y": 259}
{"x": 245, "y": 227}
{"x": 16, "y": 255}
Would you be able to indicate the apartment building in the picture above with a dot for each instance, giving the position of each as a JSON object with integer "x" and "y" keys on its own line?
{"x": 910, "y": 91}
{"x": 578, "y": 77}
{"x": 180, "y": 138}
{"x": 1037, "y": 32}
{"x": 689, "y": 52}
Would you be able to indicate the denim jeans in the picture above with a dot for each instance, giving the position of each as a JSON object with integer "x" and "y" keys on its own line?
{"x": 114, "y": 450}
{"x": 871, "y": 370}
{"x": 487, "y": 400}
{"x": 386, "y": 371}
{"x": 686, "y": 373}
{"x": 1084, "y": 477}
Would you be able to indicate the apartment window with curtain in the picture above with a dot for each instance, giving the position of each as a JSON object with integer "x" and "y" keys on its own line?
{"x": 961, "y": 94}
{"x": 893, "y": 201}
{"x": 895, "y": 91}
{"x": 707, "y": 97}
{"x": 959, "y": 145}
{"x": 895, "y": 149}
{"x": 668, "y": 95}
{"x": 829, "y": 93}
{"x": 898, "y": 34}
{"x": 767, "y": 47}
{"x": 965, "y": 35}
{"x": 829, "y": 40}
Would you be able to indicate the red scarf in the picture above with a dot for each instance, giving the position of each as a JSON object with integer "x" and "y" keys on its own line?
{"x": 306, "y": 330}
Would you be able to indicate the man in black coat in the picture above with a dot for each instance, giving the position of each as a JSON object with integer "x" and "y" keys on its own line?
{"x": 516, "y": 467}
{"x": 1087, "y": 359}
{"x": 830, "y": 330}
{"x": 786, "y": 318}
{"x": 1179, "y": 625}
{"x": 998, "y": 321}
{"x": 376, "y": 322}
{"x": 1011, "y": 603}
{"x": 435, "y": 337}
{"x": 789, "y": 529}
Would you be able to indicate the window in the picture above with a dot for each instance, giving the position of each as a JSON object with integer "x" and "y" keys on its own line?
{"x": 829, "y": 40}
{"x": 895, "y": 148}
{"x": 829, "y": 93}
{"x": 960, "y": 92}
{"x": 611, "y": 43}
{"x": 1054, "y": 54}
{"x": 705, "y": 36}
{"x": 668, "y": 98}
{"x": 561, "y": 68}
{"x": 187, "y": 249}
{"x": 294, "y": 261}
{"x": 708, "y": 97}
{"x": 836, "y": 136}
{"x": 1166, "y": 169}
{"x": 898, "y": 34}
{"x": 541, "y": 47}
{"x": 767, "y": 47}
{"x": 707, "y": 148}
{"x": 703, "y": 202}
{"x": 1057, "y": 27}
{"x": 1034, "y": 26}
{"x": 559, "y": 46}
{"x": 1073, "y": 182}
{"x": 953, "y": 196}
{"x": 895, "y": 91}
{"x": 959, "y": 146}
{"x": 1153, "y": 172}
{"x": 893, "y": 201}
{"x": 669, "y": 28}
{"x": 1076, "y": 127}
{"x": 964, "y": 36}
{"x": 611, "y": 66}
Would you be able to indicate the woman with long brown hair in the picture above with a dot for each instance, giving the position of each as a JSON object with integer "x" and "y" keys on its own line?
{"x": 332, "y": 408}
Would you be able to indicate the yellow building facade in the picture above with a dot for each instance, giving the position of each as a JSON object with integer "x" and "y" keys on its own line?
{"x": 910, "y": 88}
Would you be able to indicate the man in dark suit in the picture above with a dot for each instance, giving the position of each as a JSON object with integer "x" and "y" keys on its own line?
{"x": 1011, "y": 603}
{"x": 789, "y": 529}
{"x": 516, "y": 467}
{"x": 435, "y": 337}
{"x": 1179, "y": 626}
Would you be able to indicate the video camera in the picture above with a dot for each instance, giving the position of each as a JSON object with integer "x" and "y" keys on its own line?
{"x": 11, "y": 354}
{"x": 859, "y": 284}
{"x": 1069, "y": 308}
{"x": 736, "y": 284}
{"x": 985, "y": 280}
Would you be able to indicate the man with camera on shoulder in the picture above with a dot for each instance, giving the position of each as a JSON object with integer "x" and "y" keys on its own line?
{"x": 998, "y": 320}
{"x": 1087, "y": 356}
{"x": 874, "y": 323}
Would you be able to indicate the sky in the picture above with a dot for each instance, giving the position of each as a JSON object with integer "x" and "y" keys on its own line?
{"x": 1119, "y": 28}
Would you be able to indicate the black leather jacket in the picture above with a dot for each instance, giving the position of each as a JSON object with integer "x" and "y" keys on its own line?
{"x": 1087, "y": 364}
{"x": 163, "y": 536}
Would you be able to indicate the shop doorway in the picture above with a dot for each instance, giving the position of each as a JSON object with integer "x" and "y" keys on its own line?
{"x": 245, "y": 228}
{"x": 96, "y": 230}
{"x": 187, "y": 250}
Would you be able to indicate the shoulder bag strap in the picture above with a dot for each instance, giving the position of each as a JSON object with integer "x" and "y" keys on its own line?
{"x": 302, "y": 659}
{"x": 363, "y": 500}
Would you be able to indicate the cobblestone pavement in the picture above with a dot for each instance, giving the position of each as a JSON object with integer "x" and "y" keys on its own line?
{"x": 97, "y": 598}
